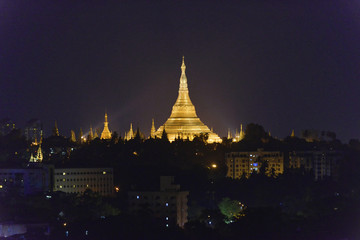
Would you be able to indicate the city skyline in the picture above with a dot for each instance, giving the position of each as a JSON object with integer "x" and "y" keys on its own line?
{"x": 290, "y": 66}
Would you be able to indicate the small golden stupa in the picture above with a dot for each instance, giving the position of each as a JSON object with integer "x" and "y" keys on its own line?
{"x": 106, "y": 134}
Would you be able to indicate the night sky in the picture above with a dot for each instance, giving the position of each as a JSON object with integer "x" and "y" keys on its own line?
{"x": 282, "y": 64}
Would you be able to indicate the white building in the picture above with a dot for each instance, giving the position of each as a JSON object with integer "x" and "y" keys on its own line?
{"x": 77, "y": 180}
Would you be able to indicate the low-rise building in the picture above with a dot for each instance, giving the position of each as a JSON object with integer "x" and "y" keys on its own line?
{"x": 169, "y": 204}
{"x": 77, "y": 180}
{"x": 244, "y": 163}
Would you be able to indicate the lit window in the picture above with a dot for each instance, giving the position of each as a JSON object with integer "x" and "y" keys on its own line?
{"x": 60, "y": 186}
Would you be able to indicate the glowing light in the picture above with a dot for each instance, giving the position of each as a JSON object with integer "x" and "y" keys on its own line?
{"x": 214, "y": 166}
{"x": 64, "y": 173}
{"x": 64, "y": 224}
{"x": 117, "y": 189}
{"x": 137, "y": 197}
{"x": 104, "y": 173}
{"x": 1, "y": 186}
{"x": 167, "y": 204}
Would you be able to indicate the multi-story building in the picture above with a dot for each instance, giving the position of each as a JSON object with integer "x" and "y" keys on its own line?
{"x": 33, "y": 130}
{"x": 169, "y": 204}
{"x": 6, "y": 126}
{"x": 320, "y": 163}
{"x": 30, "y": 180}
{"x": 77, "y": 180}
{"x": 244, "y": 163}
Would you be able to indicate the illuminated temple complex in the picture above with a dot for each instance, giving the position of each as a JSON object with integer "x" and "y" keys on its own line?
{"x": 183, "y": 122}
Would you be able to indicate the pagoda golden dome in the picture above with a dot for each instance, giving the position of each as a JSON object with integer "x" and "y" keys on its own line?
{"x": 183, "y": 122}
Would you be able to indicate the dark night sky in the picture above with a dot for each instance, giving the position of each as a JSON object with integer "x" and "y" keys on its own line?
{"x": 281, "y": 64}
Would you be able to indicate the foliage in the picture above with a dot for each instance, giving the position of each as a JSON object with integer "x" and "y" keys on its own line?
{"x": 231, "y": 209}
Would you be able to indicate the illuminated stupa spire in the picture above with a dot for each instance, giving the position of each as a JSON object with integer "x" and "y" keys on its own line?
{"x": 130, "y": 134}
{"x": 183, "y": 121}
{"x": 39, "y": 154}
{"x": 242, "y": 133}
{"x": 56, "y": 130}
{"x": 153, "y": 130}
{"x": 106, "y": 133}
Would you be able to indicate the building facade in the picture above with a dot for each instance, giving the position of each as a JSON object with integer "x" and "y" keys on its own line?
{"x": 321, "y": 163}
{"x": 77, "y": 180}
{"x": 25, "y": 181}
{"x": 244, "y": 163}
{"x": 6, "y": 126}
{"x": 169, "y": 204}
{"x": 33, "y": 130}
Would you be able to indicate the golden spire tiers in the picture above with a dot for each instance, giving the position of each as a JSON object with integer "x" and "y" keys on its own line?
{"x": 106, "y": 134}
{"x": 183, "y": 122}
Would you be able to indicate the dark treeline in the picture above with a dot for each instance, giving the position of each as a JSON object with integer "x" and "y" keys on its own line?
{"x": 289, "y": 206}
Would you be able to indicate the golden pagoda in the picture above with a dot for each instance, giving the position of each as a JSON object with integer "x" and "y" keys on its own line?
{"x": 183, "y": 122}
{"x": 106, "y": 134}
{"x": 130, "y": 134}
{"x": 152, "y": 130}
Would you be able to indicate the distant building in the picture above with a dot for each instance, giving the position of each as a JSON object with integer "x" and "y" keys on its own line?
{"x": 77, "y": 180}
{"x": 169, "y": 204}
{"x": 244, "y": 163}
{"x": 33, "y": 130}
{"x": 6, "y": 126}
{"x": 24, "y": 181}
{"x": 320, "y": 163}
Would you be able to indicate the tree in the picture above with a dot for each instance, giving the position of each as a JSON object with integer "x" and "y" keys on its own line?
{"x": 231, "y": 209}
{"x": 164, "y": 136}
{"x": 255, "y": 132}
